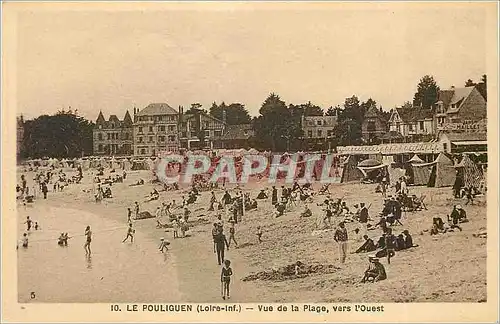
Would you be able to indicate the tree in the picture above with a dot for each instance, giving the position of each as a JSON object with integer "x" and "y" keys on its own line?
{"x": 481, "y": 86}
{"x": 366, "y": 105}
{"x": 272, "y": 126}
{"x": 470, "y": 83}
{"x": 427, "y": 92}
{"x": 195, "y": 108}
{"x": 348, "y": 129}
{"x": 236, "y": 113}
{"x": 333, "y": 111}
{"x": 62, "y": 135}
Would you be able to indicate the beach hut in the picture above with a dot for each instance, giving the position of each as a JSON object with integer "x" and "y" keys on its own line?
{"x": 470, "y": 173}
{"x": 350, "y": 171}
{"x": 443, "y": 173}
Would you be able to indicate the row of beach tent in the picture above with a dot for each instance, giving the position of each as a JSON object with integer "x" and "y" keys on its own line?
{"x": 442, "y": 172}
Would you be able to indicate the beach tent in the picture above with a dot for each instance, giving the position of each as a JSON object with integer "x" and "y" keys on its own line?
{"x": 415, "y": 160}
{"x": 139, "y": 165}
{"x": 350, "y": 171}
{"x": 443, "y": 173}
{"x": 470, "y": 173}
{"x": 421, "y": 173}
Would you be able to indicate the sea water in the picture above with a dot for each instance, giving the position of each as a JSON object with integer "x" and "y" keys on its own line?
{"x": 114, "y": 272}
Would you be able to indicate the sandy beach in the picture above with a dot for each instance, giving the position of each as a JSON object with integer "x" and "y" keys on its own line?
{"x": 453, "y": 265}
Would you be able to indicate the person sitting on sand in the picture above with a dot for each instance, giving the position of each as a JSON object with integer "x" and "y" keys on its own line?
{"x": 307, "y": 212}
{"x": 163, "y": 245}
{"x": 280, "y": 210}
{"x": 400, "y": 243}
{"x": 368, "y": 245}
{"x": 375, "y": 272}
{"x": 107, "y": 193}
{"x": 457, "y": 216}
{"x": 408, "y": 240}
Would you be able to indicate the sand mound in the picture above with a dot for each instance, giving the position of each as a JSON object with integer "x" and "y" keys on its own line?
{"x": 292, "y": 271}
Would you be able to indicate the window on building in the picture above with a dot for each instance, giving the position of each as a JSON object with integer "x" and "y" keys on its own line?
{"x": 161, "y": 138}
{"x": 99, "y": 136}
{"x": 172, "y": 117}
{"x": 100, "y": 148}
{"x": 112, "y": 125}
{"x": 139, "y": 139}
{"x": 319, "y": 122}
{"x": 421, "y": 125}
{"x": 184, "y": 134}
{"x": 150, "y": 129}
{"x": 445, "y": 147}
{"x": 161, "y": 128}
{"x": 193, "y": 134}
{"x": 218, "y": 133}
{"x": 310, "y": 133}
{"x": 329, "y": 133}
{"x": 207, "y": 124}
{"x": 371, "y": 127}
{"x": 143, "y": 151}
{"x": 410, "y": 127}
{"x": 320, "y": 133}
{"x": 126, "y": 136}
{"x": 109, "y": 136}
{"x": 171, "y": 138}
{"x": 140, "y": 129}
{"x": 160, "y": 118}
{"x": 171, "y": 128}
{"x": 150, "y": 139}
{"x": 207, "y": 133}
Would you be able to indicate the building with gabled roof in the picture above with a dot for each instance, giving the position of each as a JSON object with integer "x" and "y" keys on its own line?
{"x": 155, "y": 130}
{"x": 200, "y": 130}
{"x": 414, "y": 124}
{"x": 113, "y": 136}
{"x": 374, "y": 125}
{"x": 457, "y": 108}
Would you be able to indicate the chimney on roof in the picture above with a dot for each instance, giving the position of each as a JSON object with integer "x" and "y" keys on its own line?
{"x": 224, "y": 115}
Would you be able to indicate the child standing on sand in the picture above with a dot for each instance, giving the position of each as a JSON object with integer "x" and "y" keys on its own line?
{"x": 130, "y": 233}
{"x": 225, "y": 279}
{"x": 259, "y": 234}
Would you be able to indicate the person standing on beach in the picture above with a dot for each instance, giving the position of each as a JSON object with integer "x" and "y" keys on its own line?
{"x": 225, "y": 279}
{"x": 28, "y": 223}
{"x": 130, "y": 233}
{"x": 221, "y": 244}
{"x": 274, "y": 197}
{"x": 44, "y": 190}
{"x": 86, "y": 246}
{"x": 341, "y": 238}
{"x": 232, "y": 232}
{"x": 129, "y": 215}
{"x": 136, "y": 210}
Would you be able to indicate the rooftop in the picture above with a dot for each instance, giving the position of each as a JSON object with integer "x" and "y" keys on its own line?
{"x": 155, "y": 109}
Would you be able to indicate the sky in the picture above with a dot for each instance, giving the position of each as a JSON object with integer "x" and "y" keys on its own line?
{"x": 114, "y": 60}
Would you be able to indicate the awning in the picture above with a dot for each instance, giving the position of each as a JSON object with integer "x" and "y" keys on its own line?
{"x": 463, "y": 143}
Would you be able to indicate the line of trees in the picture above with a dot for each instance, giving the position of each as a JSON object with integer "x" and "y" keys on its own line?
{"x": 277, "y": 127}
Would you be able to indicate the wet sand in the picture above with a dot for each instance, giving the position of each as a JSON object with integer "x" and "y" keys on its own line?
{"x": 438, "y": 270}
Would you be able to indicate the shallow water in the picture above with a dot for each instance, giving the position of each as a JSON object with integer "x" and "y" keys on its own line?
{"x": 115, "y": 272}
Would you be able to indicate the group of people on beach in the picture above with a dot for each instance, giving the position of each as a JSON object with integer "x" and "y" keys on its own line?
{"x": 234, "y": 208}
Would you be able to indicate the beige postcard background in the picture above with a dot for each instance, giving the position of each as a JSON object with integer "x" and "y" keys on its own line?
{"x": 400, "y": 312}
